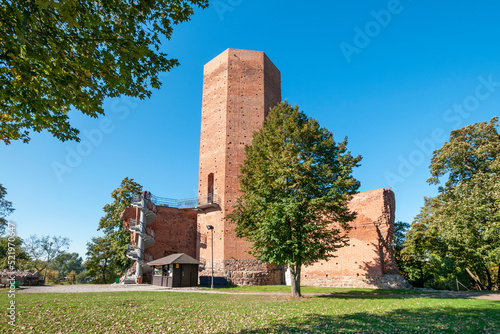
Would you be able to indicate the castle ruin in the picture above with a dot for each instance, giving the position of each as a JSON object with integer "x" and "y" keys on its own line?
{"x": 239, "y": 88}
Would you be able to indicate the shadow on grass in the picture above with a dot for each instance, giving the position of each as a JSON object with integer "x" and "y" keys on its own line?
{"x": 411, "y": 320}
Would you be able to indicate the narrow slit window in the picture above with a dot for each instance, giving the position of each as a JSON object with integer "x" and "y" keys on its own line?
{"x": 210, "y": 190}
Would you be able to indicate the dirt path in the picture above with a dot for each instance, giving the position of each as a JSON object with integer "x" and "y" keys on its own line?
{"x": 79, "y": 288}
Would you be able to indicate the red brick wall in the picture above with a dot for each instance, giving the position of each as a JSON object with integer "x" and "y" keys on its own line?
{"x": 368, "y": 258}
{"x": 239, "y": 87}
{"x": 175, "y": 231}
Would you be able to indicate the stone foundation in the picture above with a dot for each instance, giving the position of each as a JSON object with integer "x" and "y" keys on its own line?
{"x": 245, "y": 272}
{"x": 374, "y": 282}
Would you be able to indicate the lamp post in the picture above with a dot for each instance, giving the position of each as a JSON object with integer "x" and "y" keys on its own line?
{"x": 211, "y": 228}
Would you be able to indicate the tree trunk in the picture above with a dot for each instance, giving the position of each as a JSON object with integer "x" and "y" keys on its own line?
{"x": 475, "y": 278}
{"x": 45, "y": 273}
{"x": 295, "y": 280}
{"x": 104, "y": 273}
{"x": 490, "y": 283}
{"x": 498, "y": 279}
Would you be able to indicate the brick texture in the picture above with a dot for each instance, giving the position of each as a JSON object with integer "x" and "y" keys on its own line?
{"x": 174, "y": 229}
{"x": 239, "y": 88}
{"x": 368, "y": 260}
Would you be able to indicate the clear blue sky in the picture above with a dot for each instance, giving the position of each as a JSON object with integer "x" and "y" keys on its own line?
{"x": 395, "y": 85}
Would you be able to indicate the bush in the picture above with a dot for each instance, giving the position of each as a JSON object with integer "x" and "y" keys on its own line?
{"x": 52, "y": 276}
{"x": 71, "y": 277}
{"x": 81, "y": 278}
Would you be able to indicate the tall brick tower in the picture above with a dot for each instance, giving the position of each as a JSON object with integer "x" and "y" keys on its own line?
{"x": 239, "y": 88}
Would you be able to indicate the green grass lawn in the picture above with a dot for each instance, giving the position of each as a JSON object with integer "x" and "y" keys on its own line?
{"x": 313, "y": 289}
{"x": 174, "y": 312}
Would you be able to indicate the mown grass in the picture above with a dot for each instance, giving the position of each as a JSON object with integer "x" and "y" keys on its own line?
{"x": 313, "y": 289}
{"x": 173, "y": 312}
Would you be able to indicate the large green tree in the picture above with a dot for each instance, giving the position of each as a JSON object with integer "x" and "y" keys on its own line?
{"x": 5, "y": 209}
{"x": 12, "y": 254}
{"x": 67, "y": 262}
{"x": 465, "y": 214}
{"x": 112, "y": 225}
{"x": 295, "y": 182}
{"x": 100, "y": 263}
{"x": 427, "y": 260}
{"x": 56, "y": 56}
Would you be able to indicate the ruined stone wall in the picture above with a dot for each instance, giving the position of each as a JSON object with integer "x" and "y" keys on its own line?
{"x": 368, "y": 260}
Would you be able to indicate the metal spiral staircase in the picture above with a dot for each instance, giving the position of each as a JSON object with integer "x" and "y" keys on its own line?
{"x": 145, "y": 237}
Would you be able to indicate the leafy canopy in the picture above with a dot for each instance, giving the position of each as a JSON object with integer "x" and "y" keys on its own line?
{"x": 295, "y": 182}
{"x": 67, "y": 262}
{"x": 100, "y": 262}
{"x": 5, "y": 209}
{"x": 61, "y": 55}
{"x": 464, "y": 216}
{"x": 112, "y": 225}
{"x": 9, "y": 248}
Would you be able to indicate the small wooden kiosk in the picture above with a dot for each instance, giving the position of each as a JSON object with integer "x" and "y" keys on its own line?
{"x": 175, "y": 271}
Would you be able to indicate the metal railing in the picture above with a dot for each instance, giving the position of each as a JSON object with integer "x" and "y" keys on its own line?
{"x": 133, "y": 252}
{"x": 140, "y": 200}
{"x": 187, "y": 202}
{"x": 133, "y": 223}
{"x": 176, "y": 203}
{"x": 150, "y": 232}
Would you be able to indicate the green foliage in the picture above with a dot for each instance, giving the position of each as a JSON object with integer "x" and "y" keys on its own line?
{"x": 112, "y": 225}
{"x": 56, "y": 56}
{"x": 398, "y": 239}
{"x": 21, "y": 258}
{"x": 457, "y": 234}
{"x": 52, "y": 276}
{"x": 100, "y": 262}
{"x": 71, "y": 277}
{"x": 81, "y": 278}
{"x": 5, "y": 209}
{"x": 295, "y": 182}
{"x": 66, "y": 262}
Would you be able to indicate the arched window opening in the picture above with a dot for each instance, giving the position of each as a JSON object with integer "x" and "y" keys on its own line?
{"x": 210, "y": 189}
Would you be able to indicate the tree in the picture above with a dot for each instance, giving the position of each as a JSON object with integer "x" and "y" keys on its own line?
{"x": 66, "y": 262}
{"x": 5, "y": 209}
{"x": 398, "y": 239}
{"x": 112, "y": 225}
{"x": 71, "y": 277}
{"x": 57, "y": 56}
{"x": 295, "y": 182}
{"x": 465, "y": 214}
{"x": 100, "y": 264}
{"x": 42, "y": 250}
{"x": 21, "y": 258}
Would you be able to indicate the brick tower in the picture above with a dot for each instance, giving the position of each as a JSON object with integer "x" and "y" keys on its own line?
{"x": 239, "y": 88}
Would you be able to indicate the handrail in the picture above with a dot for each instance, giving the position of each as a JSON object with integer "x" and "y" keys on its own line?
{"x": 187, "y": 202}
{"x": 149, "y": 231}
{"x": 147, "y": 203}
